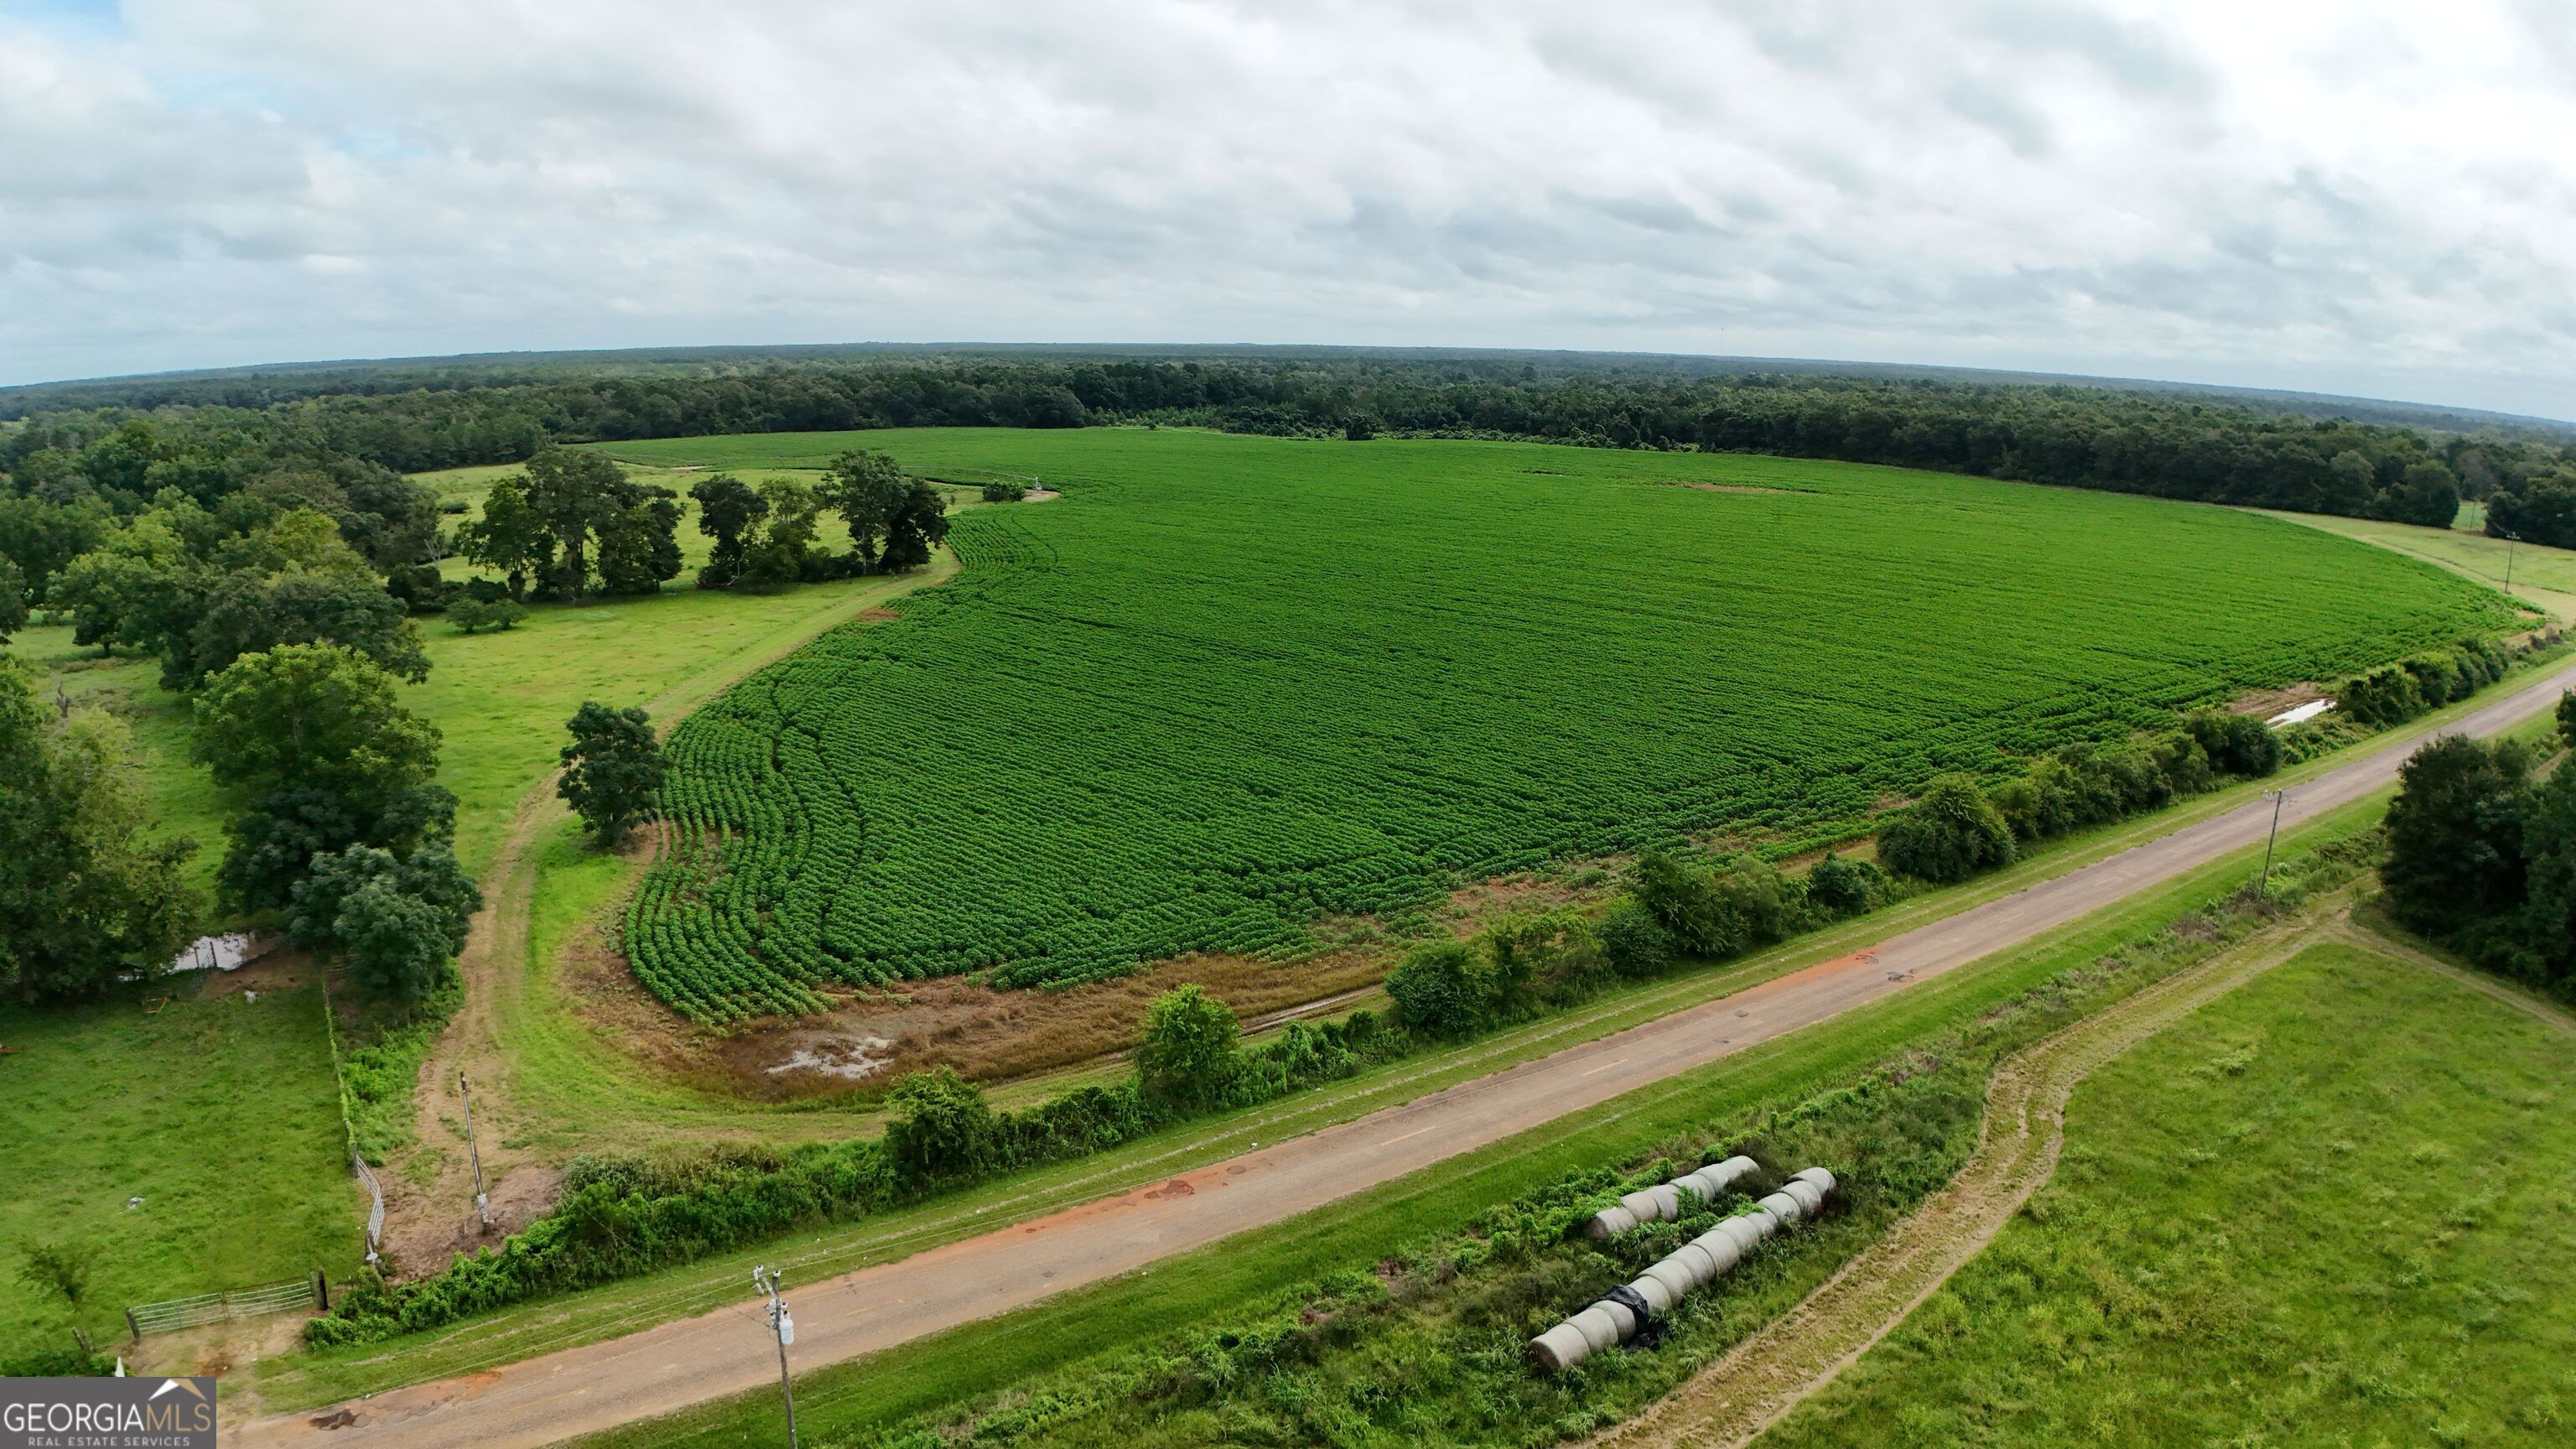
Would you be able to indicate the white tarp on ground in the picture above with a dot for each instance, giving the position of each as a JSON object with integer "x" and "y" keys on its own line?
{"x": 223, "y": 953}
{"x": 2302, "y": 714}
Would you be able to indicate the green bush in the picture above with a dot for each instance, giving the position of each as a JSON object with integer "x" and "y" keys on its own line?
{"x": 469, "y": 614}
{"x": 1444, "y": 989}
{"x": 1949, "y": 834}
{"x": 1634, "y": 943}
{"x": 1838, "y": 886}
{"x": 2237, "y": 744}
{"x": 1187, "y": 1057}
{"x": 1771, "y": 906}
{"x": 2395, "y": 693}
{"x": 1684, "y": 899}
{"x": 943, "y": 1126}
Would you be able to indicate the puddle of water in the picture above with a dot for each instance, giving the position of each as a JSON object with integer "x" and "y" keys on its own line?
{"x": 852, "y": 1060}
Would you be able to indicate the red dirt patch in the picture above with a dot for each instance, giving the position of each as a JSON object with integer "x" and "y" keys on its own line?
{"x": 421, "y": 1237}
{"x": 986, "y": 1033}
{"x": 877, "y": 616}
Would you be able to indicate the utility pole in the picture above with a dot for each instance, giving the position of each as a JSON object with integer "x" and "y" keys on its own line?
{"x": 482, "y": 1205}
{"x": 2279, "y": 798}
{"x": 766, "y": 1279}
{"x": 2510, "y": 539}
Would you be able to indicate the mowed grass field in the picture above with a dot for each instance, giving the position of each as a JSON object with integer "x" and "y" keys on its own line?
{"x": 221, "y": 1113}
{"x": 1226, "y": 686}
{"x": 2332, "y": 1208}
{"x": 2543, "y": 577}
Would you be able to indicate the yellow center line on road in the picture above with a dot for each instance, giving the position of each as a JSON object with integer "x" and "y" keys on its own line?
{"x": 1390, "y": 1142}
{"x": 1605, "y": 1066}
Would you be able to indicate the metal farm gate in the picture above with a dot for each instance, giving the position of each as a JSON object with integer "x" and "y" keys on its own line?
{"x": 173, "y": 1314}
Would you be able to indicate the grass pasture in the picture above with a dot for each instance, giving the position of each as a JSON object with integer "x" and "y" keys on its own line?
{"x": 2330, "y": 1209}
{"x": 1227, "y": 686}
{"x": 499, "y": 699}
{"x": 221, "y": 1113}
{"x": 2543, "y": 577}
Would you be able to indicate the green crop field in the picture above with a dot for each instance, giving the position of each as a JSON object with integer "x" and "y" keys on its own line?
{"x": 2331, "y": 1208}
{"x": 1226, "y": 686}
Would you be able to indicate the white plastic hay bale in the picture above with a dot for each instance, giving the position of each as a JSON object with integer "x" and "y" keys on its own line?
{"x": 1748, "y": 1229}
{"x": 1824, "y": 1181}
{"x": 1641, "y": 1205}
{"x": 1702, "y": 1262}
{"x": 1782, "y": 1206}
{"x": 1600, "y": 1329}
{"x": 1623, "y": 1319}
{"x": 1809, "y": 1196}
{"x": 1559, "y": 1349}
{"x": 1662, "y": 1286}
{"x": 1610, "y": 1222}
{"x": 1668, "y": 1202}
{"x": 1712, "y": 1181}
{"x": 1723, "y": 1251}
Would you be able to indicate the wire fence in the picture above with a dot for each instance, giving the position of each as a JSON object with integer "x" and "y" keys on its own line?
{"x": 173, "y": 1314}
{"x": 375, "y": 1214}
{"x": 348, "y": 1129}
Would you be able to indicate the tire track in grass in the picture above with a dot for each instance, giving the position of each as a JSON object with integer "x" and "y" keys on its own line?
{"x": 1757, "y": 1383}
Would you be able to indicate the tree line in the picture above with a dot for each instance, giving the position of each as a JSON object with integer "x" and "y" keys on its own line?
{"x": 2164, "y": 445}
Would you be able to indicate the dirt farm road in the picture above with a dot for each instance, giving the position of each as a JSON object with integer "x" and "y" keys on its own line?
{"x": 671, "y": 1366}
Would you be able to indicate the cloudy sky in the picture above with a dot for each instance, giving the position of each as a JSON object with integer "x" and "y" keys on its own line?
{"x": 2367, "y": 196}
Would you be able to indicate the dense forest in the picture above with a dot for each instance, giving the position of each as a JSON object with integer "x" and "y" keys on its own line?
{"x": 73, "y": 482}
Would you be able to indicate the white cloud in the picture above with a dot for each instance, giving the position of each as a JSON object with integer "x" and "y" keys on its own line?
{"x": 2370, "y": 198}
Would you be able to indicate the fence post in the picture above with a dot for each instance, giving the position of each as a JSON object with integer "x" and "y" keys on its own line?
{"x": 321, "y": 1291}
{"x": 133, "y": 1327}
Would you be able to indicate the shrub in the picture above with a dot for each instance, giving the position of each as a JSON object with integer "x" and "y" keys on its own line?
{"x": 1542, "y": 951}
{"x": 2183, "y": 763}
{"x": 1685, "y": 901}
{"x": 944, "y": 1127}
{"x": 1444, "y": 989}
{"x": 1841, "y": 887}
{"x": 420, "y": 588}
{"x": 1949, "y": 834}
{"x": 1770, "y": 905}
{"x": 1187, "y": 1057}
{"x": 2395, "y": 693}
{"x": 2238, "y": 744}
{"x": 1633, "y": 941}
{"x": 469, "y": 614}
{"x": 1005, "y": 492}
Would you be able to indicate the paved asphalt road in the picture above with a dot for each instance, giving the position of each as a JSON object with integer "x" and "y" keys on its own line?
{"x": 674, "y": 1365}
